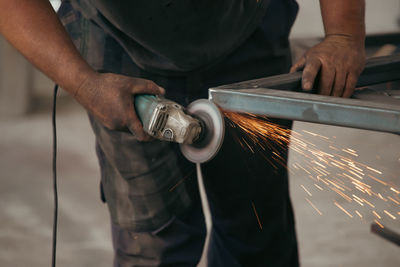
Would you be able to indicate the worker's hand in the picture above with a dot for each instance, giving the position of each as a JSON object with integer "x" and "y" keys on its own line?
{"x": 339, "y": 59}
{"x": 109, "y": 98}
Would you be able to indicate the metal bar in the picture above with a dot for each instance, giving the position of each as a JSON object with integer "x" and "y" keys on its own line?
{"x": 311, "y": 108}
{"x": 381, "y": 39}
{"x": 377, "y": 70}
{"x": 254, "y": 97}
{"x": 386, "y": 233}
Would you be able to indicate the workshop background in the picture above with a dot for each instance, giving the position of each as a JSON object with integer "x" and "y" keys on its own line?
{"x": 26, "y": 196}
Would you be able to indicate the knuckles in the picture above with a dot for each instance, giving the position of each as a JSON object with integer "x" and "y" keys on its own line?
{"x": 112, "y": 125}
{"x": 112, "y": 122}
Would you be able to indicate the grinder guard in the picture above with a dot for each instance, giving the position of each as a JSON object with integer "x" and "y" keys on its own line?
{"x": 213, "y": 134}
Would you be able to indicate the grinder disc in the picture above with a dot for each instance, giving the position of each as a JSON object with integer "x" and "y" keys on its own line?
{"x": 212, "y": 137}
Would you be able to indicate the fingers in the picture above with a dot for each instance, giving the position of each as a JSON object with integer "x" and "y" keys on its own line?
{"x": 141, "y": 86}
{"x": 134, "y": 124}
{"x": 326, "y": 80}
{"x": 339, "y": 84}
{"x": 339, "y": 60}
{"x": 310, "y": 72}
{"x": 332, "y": 81}
{"x": 299, "y": 65}
{"x": 351, "y": 83}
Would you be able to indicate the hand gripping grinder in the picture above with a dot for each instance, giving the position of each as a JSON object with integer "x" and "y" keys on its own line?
{"x": 199, "y": 129}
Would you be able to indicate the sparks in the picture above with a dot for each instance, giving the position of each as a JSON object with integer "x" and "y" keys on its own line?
{"x": 371, "y": 205}
{"x": 255, "y": 212}
{"x": 181, "y": 181}
{"x": 331, "y": 167}
{"x": 395, "y": 201}
{"x": 345, "y": 211}
{"x": 359, "y": 202}
{"x": 376, "y": 214}
{"x": 372, "y": 169}
{"x": 376, "y": 179}
{"x": 312, "y": 205}
{"x": 394, "y": 190}
{"x": 320, "y": 188}
{"x": 389, "y": 214}
{"x": 350, "y": 152}
{"x": 359, "y": 214}
{"x": 305, "y": 189}
{"x": 378, "y": 223}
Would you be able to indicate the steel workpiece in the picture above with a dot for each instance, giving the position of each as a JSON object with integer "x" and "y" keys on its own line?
{"x": 311, "y": 108}
{"x": 376, "y": 109}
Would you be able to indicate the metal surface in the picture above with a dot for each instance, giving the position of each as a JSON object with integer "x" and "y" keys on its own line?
{"x": 386, "y": 233}
{"x": 311, "y": 108}
{"x": 254, "y": 97}
{"x": 377, "y": 70}
{"x": 213, "y": 134}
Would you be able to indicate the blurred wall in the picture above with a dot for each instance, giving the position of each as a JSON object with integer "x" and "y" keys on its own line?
{"x": 16, "y": 76}
{"x": 381, "y": 17}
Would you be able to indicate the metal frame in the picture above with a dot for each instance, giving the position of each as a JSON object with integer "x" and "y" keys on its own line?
{"x": 377, "y": 70}
{"x": 254, "y": 97}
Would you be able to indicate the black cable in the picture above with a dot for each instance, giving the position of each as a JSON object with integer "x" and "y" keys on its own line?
{"x": 54, "y": 250}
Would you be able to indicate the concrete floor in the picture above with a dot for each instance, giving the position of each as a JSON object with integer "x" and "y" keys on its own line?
{"x": 26, "y": 198}
{"x": 335, "y": 239}
{"x": 26, "y": 206}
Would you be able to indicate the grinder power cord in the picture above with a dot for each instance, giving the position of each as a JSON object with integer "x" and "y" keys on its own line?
{"x": 55, "y": 215}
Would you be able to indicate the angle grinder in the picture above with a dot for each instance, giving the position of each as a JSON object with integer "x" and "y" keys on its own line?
{"x": 199, "y": 129}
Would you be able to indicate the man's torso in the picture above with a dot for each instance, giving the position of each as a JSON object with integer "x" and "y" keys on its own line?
{"x": 176, "y": 36}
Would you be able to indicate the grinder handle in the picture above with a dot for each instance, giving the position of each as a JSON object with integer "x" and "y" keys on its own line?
{"x": 144, "y": 106}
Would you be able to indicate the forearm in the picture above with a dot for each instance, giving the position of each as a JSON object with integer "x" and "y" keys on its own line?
{"x": 34, "y": 29}
{"x": 344, "y": 17}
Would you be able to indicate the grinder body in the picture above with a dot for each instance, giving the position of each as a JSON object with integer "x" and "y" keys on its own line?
{"x": 166, "y": 120}
{"x": 199, "y": 129}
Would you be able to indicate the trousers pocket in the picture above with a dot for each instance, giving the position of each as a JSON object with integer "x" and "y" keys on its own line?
{"x": 145, "y": 184}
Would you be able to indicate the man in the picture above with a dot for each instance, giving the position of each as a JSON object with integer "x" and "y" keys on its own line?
{"x": 181, "y": 48}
